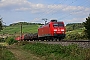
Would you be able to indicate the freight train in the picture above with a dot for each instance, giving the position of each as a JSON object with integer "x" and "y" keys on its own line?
{"x": 53, "y": 30}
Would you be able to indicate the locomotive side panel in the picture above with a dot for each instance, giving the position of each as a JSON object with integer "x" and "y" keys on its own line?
{"x": 44, "y": 31}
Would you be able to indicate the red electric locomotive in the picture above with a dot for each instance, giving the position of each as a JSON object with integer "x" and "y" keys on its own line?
{"x": 52, "y": 30}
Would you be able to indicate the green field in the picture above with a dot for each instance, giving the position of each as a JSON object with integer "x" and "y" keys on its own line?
{"x": 27, "y": 29}
{"x": 16, "y": 29}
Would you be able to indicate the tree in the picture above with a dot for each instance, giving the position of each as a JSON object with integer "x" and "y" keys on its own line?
{"x": 87, "y": 26}
{"x": 1, "y": 25}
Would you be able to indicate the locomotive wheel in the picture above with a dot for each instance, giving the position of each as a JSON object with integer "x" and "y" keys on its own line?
{"x": 59, "y": 39}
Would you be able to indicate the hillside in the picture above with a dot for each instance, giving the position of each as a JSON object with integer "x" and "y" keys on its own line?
{"x": 15, "y": 30}
{"x": 33, "y": 27}
{"x": 74, "y": 26}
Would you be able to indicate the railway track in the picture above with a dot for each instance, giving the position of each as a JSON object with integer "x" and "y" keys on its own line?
{"x": 75, "y": 41}
{"x": 60, "y": 41}
{"x": 80, "y": 43}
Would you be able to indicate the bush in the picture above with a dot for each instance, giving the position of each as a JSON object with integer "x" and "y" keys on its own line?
{"x": 72, "y": 36}
{"x": 2, "y": 40}
{"x": 76, "y": 36}
{"x": 87, "y": 26}
{"x": 83, "y": 35}
{"x": 10, "y": 40}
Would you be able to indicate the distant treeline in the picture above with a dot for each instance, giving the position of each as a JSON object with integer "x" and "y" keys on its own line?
{"x": 73, "y": 26}
{"x": 25, "y": 23}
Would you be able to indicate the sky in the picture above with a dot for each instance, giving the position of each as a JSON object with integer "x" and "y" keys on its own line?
{"x": 33, "y": 11}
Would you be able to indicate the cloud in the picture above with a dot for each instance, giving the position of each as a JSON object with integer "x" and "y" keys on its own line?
{"x": 25, "y": 5}
{"x": 36, "y": 20}
{"x": 74, "y": 20}
{"x": 44, "y": 9}
{"x": 66, "y": 21}
{"x": 18, "y": 21}
{"x": 13, "y": 4}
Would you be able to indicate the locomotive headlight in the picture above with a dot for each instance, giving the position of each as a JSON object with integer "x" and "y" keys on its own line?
{"x": 62, "y": 29}
{"x": 55, "y": 29}
{"x": 63, "y": 32}
{"x": 54, "y": 32}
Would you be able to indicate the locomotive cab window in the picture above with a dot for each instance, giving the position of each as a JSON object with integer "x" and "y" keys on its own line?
{"x": 58, "y": 25}
{"x": 55, "y": 25}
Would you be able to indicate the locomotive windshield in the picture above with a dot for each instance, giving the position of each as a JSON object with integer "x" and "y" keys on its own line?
{"x": 58, "y": 25}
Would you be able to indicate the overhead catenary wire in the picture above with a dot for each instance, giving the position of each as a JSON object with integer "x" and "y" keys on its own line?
{"x": 43, "y": 14}
{"x": 63, "y": 7}
{"x": 71, "y": 13}
{"x": 51, "y": 10}
{"x": 45, "y": 10}
{"x": 63, "y": 15}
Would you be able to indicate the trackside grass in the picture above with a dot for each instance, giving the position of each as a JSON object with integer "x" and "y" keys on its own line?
{"x": 57, "y": 52}
{"x": 5, "y": 54}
